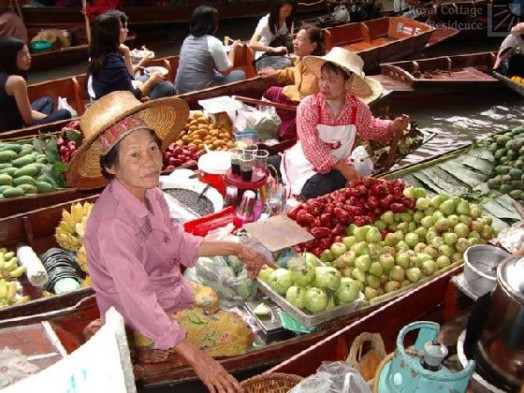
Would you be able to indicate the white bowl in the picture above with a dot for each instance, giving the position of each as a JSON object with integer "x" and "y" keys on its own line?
{"x": 156, "y": 69}
{"x": 215, "y": 162}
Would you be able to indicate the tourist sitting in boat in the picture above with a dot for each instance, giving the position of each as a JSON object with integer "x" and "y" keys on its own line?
{"x": 297, "y": 81}
{"x": 273, "y": 37}
{"x": 328, "y": 124}
{"x": 135, "y": 251}
{"x": 110, "y": 68}
{"x": 203, "y": 59}
{"x": 510, "y": 58}
{"x": 10, "y": 23}
{"x": 16, "y": 110}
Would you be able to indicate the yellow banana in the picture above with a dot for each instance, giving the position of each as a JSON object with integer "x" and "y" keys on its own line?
{"x": 12, "y": 290}
{"x": 3, "y": 289}
{"x": 23, "y": 299}
{"x": 66, "y": 227}
{"x": 77, "y": 211}
{"x": 2, "y": 261}
{"x": 87, "y": 208}
{"x": 3, "y": 249}
{"x": 11, "y": 265}
{"x": 68, "y": 218}
{"x": 79, "y": 227}
{"x": 9, "y": 255}
{"x": 17, "y": 272}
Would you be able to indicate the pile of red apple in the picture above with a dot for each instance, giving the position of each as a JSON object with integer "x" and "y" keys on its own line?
{"x": 362, "y": 202}
{"x": 177, "y": 156}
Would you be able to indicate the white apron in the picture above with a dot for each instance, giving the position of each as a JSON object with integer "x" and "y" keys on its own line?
{"x": 296, "y": 169}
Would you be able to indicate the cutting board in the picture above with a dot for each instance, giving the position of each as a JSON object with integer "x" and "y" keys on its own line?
{"x": 278, "y": 232}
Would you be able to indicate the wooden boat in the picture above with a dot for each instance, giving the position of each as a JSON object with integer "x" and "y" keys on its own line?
{"x": 419, "y": 302}
{"x": 434, "y": 301}
{"x": 76, "y": 51}
{"x": 445, "y": 74}
{"x": 380, "y": 40}
{"x": 150, "y": 13}
{"x": 516, "y": 87}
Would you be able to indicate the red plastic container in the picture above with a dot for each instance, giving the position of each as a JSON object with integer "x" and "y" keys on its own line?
{"x": 201, "y": 226}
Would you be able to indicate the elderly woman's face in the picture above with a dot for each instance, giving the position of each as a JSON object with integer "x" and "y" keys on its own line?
{"x": 332, "y": 84}
{"x": 139, "y": 162}
{"x": 302, "y": 46}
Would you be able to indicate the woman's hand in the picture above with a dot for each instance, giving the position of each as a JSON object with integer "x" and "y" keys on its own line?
{"x": 213, "y": 375}
{"x": 254, "y": 260}
{"x": 267, "y": 72}
{"x": 124, "y": 50}
{"x": 399, "y": 124}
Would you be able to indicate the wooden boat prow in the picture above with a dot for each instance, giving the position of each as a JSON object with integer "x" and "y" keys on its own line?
{"x": 379, "y": 40}
{"x": 519, "y": 89}
{"x": 444, "y": 74}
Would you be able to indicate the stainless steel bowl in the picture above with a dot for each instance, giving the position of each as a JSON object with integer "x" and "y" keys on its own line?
{"x": 480, "y": 267}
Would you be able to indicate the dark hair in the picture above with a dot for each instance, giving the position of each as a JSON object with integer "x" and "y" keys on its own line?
{"x": 110, "y": 159}
{"x": 204, "y": 20}
{"x": 315, "y": 35}
{"x": 328, "y": 66}
{"x": 105, "y": 41}
{"x": 273, "y": 15}
{"x": 9, "y": 48}
{"x": 120, "y": 15}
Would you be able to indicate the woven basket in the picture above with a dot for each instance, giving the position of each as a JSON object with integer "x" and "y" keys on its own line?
{"x": 271, "y": 383}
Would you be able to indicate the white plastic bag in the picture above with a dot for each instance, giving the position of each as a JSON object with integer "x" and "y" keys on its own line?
{"x": 63, "y": 104}
{"x": 264, "y": 120}
{"x": 333, "y": 377}
{"x": 361, "y": 161}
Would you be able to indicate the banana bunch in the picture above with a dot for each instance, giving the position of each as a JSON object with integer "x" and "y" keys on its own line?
{"x": 81, "y": 258}
{"x": 70, "y": 230}
{"x": 9, "y": 272}
{"x": 9, "y": 268}
{"x": 9, "y": 293}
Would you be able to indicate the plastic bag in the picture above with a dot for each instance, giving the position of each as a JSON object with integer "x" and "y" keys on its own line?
{"x": 333, "y": 377}
{"x": 227, "y": 277}
{"x": 15, "y": 367}
{"x": 63, "y": 104}
{"x": 264, "y": 120}
{"x": 361, "y": 161}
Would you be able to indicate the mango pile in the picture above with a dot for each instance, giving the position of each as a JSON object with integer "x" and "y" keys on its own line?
{"x": 24, "y": 171}
{"x": 508, "y": 173}
{"x": 200, "y": 131}
{"x": 518, "y": 80}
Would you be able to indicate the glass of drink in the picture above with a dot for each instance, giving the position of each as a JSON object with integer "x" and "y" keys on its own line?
{"x": 261, "y": 162}
{"x": 251, "y": 149}
{"x": 236, "y": 155}
{"x": 247, "y": 162}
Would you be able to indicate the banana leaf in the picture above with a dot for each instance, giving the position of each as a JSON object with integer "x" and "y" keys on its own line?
{"x": 462, "y": 173}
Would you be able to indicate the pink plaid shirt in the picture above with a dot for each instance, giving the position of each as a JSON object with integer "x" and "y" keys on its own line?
{"x": 314, "y": 110}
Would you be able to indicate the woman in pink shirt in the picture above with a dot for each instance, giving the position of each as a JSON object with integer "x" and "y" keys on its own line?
{"x": 329, "y": 122}
{"x": 135, "y": 252}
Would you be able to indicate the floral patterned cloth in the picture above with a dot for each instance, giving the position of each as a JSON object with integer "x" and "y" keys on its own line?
{"x": 216, "y": 332}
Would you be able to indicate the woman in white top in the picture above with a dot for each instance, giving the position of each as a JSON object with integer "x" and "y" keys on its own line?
{"x": 203, "y": 59}
{"x": 273, "y": 37}
{"x": 510, "y": 58}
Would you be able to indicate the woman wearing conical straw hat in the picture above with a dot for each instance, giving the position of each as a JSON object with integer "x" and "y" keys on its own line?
{"x": 329, "y": 122}
{"x": 135, "y": 252}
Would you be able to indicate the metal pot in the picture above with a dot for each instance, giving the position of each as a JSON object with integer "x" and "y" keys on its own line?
{"x": 480, "y": 262}
{"x": 499, "y": 350}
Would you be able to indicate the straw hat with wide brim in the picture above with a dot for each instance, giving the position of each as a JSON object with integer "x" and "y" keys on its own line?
{"x": 363, "y": 87}
{"x": 165, "y": 116}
